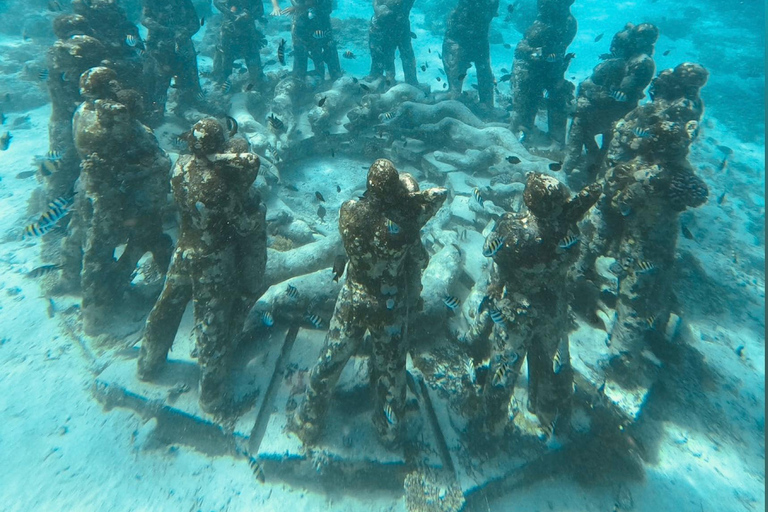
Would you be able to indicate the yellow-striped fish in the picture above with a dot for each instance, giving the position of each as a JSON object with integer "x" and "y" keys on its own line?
{"x": 35, "y": 230}
{"x": 57, "y": 209}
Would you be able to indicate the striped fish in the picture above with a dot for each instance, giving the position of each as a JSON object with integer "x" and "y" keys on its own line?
{"x": 641, "y": 132}
{"x": 321, "y": 34}
{"x": 568, "y": 242}
{"x": 553, "y": 57}
{"x": 386, "y": 116}
{"x": 53, "y": 155}
{"x": 275, "y": 123}
{"x": 267, "y": 319}
{"x": 500, "y": 375}
{"x": 651, "y": 322}
{"x": 35, "y": 230}
{"x": 225, "y": 86}
{"x": 292, "y": 291}
{"x": 497, "y": 316}
{"x": 281, "y": 52}
{"x": 315, "y": 320}
{"x": 493, "y": 245}
{"x": 389, "y": 413}
{"x": 451, "y": 302}
{"x": 478, "y": 197}
{"x": 57, "y": 209}
{"x": 645, "y": 267}
{"x": 131, "y": 40}
{"x": 469, "y": 366}
{"x": 43, "y": 75}
{"x": 618, "y": 95}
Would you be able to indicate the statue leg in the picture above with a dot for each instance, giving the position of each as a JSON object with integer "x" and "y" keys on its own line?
{"x": 576, "y": 137}
{"x": 331, "y": 59}
{"x": 213, "y": 306}
{"x": 407, "y": 56}
{"x": 342, "y": 341}
{"x": 300, "y": 53}
{"x": 224, "y": 57}
{"x": 506, "y": 359}
{"x": 388, "y": 376}
{"x": 484, "y": 76}
{"x": 525, "y": 96}
{"x": 252, "y": 39}
{"x": 165, "y": 317}
{"x": 454, "y": 65}
{"x": 187, "y": 78}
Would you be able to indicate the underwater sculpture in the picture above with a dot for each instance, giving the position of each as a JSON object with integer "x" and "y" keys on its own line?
{"x": 391, "y": 30}
{"x": 170, "y": 54}
{"x": 538, "y": 69}
{"x": 72, "y": 54}
{"x": 239, "y": 38}
{"x": 380, "y": 233}
{"x": 526, "y": 309}
{"x": 218, "y": 263}
{"x": 614, "y": 89}
{"x": 648, "y": 183}
{"x": 124, "y": 186}
{"x": 312, "y": 37}
{"x": 466, "y": 42}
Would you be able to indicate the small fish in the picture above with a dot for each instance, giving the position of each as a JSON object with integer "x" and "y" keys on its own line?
{"x": 557, "y": 360}
{"x": 513, "y": 160}
{"x": 48, "y": 167}
{"x": 723, "y": 165}
{"x": 273, "y": 154}
{"x": 641, "y": 132}
{"x": 666, "y": 53}
{"x": 725, "y": 150}
{"x": 54, "y": 155}
{"x": 321, "y": 212}
{"x": 493, "y": 245}
{"x": 338, "y": 188}
{"x": 231, "y": 125}
{"x": 131, "y": 40}
{"x": 618, "y": 95}
{"x": 686, "y": 232}
{"x": 225, "y": 86}
{"x": 507, "y": 46}
{"x": 258, "y": 471}
{"x": 645, "y": 267}
{"x": 721, "y": 198}
{"x": 315, "y": 320}
{"x": 5, "y": 141}
{"x": 202, "y": 21}
{"x": 311, "y": 13}
{"x": 34, "y": 230}
{"x": 555, "y": 166}
{"x": 423, "y": 67}
{"x": 25, "y": 174}
{"x": 413, "y": 35}
{"x": 322, "y": 101}
{"x": 478, "y": 197}
{"x": 553, "y": 57}
{"x": 349, "y": 55}
{"x": 248, "y": 87}
{"x": 392, "y": 227}
{"x": 365, "y": 87}
{"x": 43, "y": 270}
{"x": 43, "y": 75}
{"x": 500, "y": 375}
{"x": 651, "y": 322}
{"x": 281, "y": 52}
{"x": 445, "y": 85}
{"x": 451, "y": 302}
{"x": 321, "y": 34}
{"x": 267, "y": 319}
{"x": 292, "y": 292}
{"x": 569, "y": 57}
{"x": 319, "y": 197}
{"x": 438, "y": 79}
{"x": 568, "y": 242}
{"x": 505, "y": 77}
{"x": 200, "y": 96}
{"x": 482, "y": 304}
{"x": 390, "y": 414}
{"x": 64, "y": 77}
{"x": 497, "y": 316}
{"x": 275, "y": 123}
{"x": 462, "y": 76}
{"x": 386, "y": 116}
{"x": 624, "y": 208}
{"x": 339, "y": 264}
{"x": 599, "y": 37}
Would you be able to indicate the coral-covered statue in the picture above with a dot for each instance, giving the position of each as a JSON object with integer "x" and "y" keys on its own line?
{"x": 390, "y": 31}
{"x": 219, "y": 261}
{"x": 386, "y": 258}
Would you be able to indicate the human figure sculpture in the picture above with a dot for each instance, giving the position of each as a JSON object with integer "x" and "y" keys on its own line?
{"x": 391, "y": 30}
{"x": 648, "y": 183}
{"x": 539, "y": 68}
{"x": 312, "y": 37}
{"x": 219, "y": 261}
{"x": 170, "y": 54}
{"x": 380, "y": 233}
{"x": 614, "y": 89}
{"x": 124, "y": 186}
{"x": 526, "y": 310}
{"x": 240, "y": 37}
{"x": 467, "y": 42}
